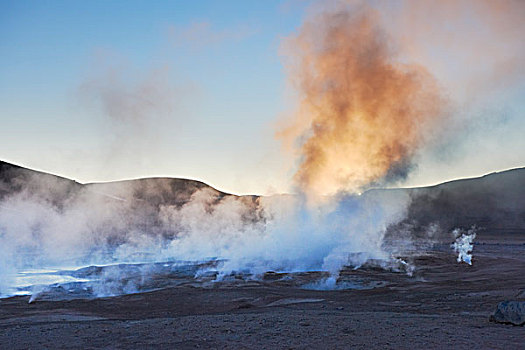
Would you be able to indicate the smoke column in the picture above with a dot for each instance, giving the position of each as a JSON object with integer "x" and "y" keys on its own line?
{"x": 362, "y": 114}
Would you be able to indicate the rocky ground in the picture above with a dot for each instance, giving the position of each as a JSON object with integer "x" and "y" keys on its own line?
{"x": 444, "y": 304}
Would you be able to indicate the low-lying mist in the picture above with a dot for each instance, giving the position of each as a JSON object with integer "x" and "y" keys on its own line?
{"x": 51, "y": 225}
{"x": 54, "y": 229}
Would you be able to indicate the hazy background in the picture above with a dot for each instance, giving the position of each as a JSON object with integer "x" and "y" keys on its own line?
{"x": 99, "y": 91}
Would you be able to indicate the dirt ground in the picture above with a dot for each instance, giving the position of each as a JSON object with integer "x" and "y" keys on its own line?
{"x": 444, "y": 304}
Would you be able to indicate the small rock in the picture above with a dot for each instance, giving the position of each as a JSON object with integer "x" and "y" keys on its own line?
{"x": 510, "y": 312}
{"x": 348, "y": 330}
{"x": 304, "y": 324}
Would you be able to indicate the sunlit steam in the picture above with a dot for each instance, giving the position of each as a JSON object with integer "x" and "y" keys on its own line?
{"x": 362, "y": 114}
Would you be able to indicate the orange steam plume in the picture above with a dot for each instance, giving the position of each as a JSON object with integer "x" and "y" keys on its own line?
{"x": 361, "y": 115}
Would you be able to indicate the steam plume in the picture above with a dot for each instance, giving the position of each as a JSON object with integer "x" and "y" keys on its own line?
{"x": 463, "y": 245}
{"x": 362, "y": 115}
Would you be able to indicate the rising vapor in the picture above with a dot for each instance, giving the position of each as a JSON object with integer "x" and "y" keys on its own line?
{"x": 138, "y": 111}
{"x": 362, "y": 114}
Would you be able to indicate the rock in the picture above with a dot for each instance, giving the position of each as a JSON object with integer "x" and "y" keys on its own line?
{"x": 510, "y": 312}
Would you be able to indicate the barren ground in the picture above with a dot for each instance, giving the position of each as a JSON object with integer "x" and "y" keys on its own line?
{"x": 443, "y": 305}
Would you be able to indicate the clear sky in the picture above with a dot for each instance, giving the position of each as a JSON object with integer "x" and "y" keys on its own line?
{"x": 105, "y": 90}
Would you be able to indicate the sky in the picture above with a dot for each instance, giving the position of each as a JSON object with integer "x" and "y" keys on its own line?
{"x": 107, "y": 90}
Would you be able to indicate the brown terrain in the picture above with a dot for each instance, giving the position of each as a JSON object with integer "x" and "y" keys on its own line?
{"x": 442, "y": 304}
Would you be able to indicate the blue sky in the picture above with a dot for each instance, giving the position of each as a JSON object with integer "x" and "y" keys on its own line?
{"x": 220, "y": 62}
{"x": 224, "y": 55}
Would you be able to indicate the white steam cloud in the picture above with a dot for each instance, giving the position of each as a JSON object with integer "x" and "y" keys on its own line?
{"x": 55, "y": 226}
{"x": 463, "y": 245}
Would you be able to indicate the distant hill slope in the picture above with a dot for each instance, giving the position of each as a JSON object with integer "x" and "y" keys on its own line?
{"x": 17, "y": 179}
{"x": 14, "y": 179}
{"x": 495, "y": 201}
{"x": 117, "y": 207}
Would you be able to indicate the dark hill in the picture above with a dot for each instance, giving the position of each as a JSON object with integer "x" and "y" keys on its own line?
{"x": 55, "y": 189}
{"x": 494, "y": 202}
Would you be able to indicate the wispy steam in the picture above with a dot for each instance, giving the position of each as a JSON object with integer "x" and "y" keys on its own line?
{"x": 139, "y": 109}
{"x": 475, "y": 45}
{"x": 476, "y": 51}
